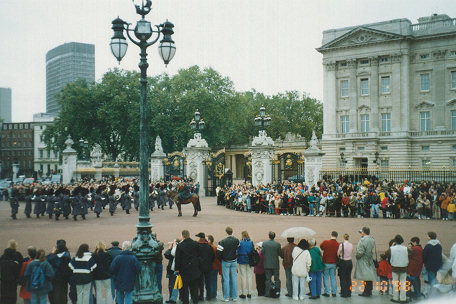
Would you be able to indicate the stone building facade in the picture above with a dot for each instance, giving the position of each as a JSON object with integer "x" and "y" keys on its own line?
{"x": 390, "y": 94}
{"x": 16, "y": 146}
{"x": 46, "y": 161}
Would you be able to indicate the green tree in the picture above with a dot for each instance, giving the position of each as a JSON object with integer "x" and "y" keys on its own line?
{"x": 107, "y": 112}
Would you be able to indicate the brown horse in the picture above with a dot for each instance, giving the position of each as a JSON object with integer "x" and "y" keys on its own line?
{"x": 194, "y": 199}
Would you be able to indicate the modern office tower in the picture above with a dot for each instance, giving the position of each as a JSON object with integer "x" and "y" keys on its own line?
{"x": 5, "y": 104}
{"x": 67, "y": 63}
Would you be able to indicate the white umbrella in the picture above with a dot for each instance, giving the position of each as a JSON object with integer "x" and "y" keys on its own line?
{"x": 298, "y": 233}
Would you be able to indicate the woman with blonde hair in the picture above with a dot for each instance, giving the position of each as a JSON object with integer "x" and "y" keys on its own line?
{"x": 39, "y": 292}
{"x": 345, "y": 251}
{"x": 102, "y": 274}
{"x": 245, "y": 270}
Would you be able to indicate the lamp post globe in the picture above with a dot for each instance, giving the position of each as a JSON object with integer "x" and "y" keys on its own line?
{"x": 118, "y": 43}
{"x": 144, "y": 245}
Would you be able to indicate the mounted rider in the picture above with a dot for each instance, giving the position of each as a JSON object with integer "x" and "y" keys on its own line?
{"x": 185, "y": 193}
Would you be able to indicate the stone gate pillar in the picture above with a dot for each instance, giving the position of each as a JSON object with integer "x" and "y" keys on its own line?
{"x": 262, "y": 152}
{"x": 196, "y": 153}
{"x": 15, "y": 171}
{"x": 157, "y": 170}
{"x": 69, "y": 157}
{"x": 313, "y": 161}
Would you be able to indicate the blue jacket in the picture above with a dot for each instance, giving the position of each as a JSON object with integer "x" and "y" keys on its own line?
{"x": 48, "y": 275}
{"x": 125, "y": 267}
{"x": 432, "y": 256}
{"x": 245, "y": 247}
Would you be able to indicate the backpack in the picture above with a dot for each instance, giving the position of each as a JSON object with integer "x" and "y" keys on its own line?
{"x": 254, "y": 258}
{"x": 37, "y": 278}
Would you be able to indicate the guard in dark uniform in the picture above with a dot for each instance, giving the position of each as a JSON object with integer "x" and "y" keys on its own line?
{"x": 50, "y": 202}
{"x": 98, "y": 205}
{"x": 136, "y": 197}
{"x": 14, "y": 202}
{"x": 28, "y": 202}
{"x": 65, "y": 198}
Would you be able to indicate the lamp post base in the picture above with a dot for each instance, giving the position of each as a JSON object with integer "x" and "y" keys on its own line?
{"x": 145, "y": 248}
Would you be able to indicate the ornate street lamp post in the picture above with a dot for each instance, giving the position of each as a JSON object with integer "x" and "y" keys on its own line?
{"x": 197, "y": 124}
{"x": 84, "y": 144}
{"x": 262, "y": 120}
{"x": 144, "y": 245}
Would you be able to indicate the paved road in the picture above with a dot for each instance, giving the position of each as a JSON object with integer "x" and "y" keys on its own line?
{"x": 43, "y": 232}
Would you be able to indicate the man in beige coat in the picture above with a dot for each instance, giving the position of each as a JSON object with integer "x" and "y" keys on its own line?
{"x": 365, "y": 268}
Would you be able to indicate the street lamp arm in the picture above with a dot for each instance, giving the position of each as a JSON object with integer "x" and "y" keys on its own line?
{"x": 128, "y": 30}
{"x": 158, "y": 31}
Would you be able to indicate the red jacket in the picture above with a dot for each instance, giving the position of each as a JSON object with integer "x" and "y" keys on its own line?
{"x": 415, "y": 261}
{"x": 23, "y": 293}
{"x": 384, "y": 269}
{"x": 329, "y": 248}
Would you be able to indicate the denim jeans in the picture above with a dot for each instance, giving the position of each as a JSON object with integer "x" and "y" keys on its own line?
{"x": 159, "y": 274}
{"x": 229, "y": 273}
{"x": 315, "y": 284}
{"x": 124, "y": 297}
{"x": 214, "y": 274}
{"x": 375, "y": 209}
{"x": 289, "y": 281}
{"x": 415, "y": 283}
{"x": 329, "y": 274}
{"x": 36, "y": 297}
{"x": 311, "y": 209}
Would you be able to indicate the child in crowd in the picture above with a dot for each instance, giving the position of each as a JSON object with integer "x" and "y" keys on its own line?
{"x": 385, "y": 273}
{"x": 451, "y": 210}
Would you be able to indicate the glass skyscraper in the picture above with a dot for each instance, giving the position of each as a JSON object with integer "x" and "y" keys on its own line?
{"x": 67, "y": 63}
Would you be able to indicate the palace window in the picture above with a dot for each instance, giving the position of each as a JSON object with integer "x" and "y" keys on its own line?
{"x": 364, "y": 61}
{"x": 453, "y": 80}
{"x": 344, "y": 88}
{"x": 386, "y": 85}
{"x": 425, "y": 121}
{"x": 364, "y": 86}
{"x": 384, "y": 163}
{"x": 425, "y": 82}
{"x": 425, "y": 56}
{"x": 425, "y": 148}
{"x": 453, "y": 120}
{"x": 425, "y": 163}
{"x": 345, "y": 123}
{"x": 386, "y": 122}
{"x": 365, "y": 123}
{"x": 385, "y": 59}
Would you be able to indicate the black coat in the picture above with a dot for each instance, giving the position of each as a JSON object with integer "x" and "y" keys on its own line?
{"x": 103, "y": 260}
{"x": 186, "y": 260}
{"x": 206, "y": 256}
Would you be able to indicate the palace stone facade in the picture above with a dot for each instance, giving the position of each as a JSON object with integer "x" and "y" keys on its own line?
{"x": 390, "y": 94}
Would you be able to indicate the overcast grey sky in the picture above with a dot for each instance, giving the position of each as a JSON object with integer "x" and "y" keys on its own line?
{"x": 267, "y": 45}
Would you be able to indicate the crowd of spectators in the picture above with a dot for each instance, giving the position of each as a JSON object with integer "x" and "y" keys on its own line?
{"x": 341, "y": 198}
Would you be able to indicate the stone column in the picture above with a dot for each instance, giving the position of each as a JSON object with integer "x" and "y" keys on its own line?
{"x": 157, "y": 170}
{"x": 396, "y": 88}
{"x": 197, "y": 152}
{"x": 405, "y": 91}
{"x": 313, "y": 161}
{"x": 233, "y": 165}
{"x": 15, "y": 171}
{"x": 373, "y": 117}
{"x": 329, "y": 99}
{"x": 353, "y": 95}
{"x": 262, "y": 151}
{"x": 69, "y": 157}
